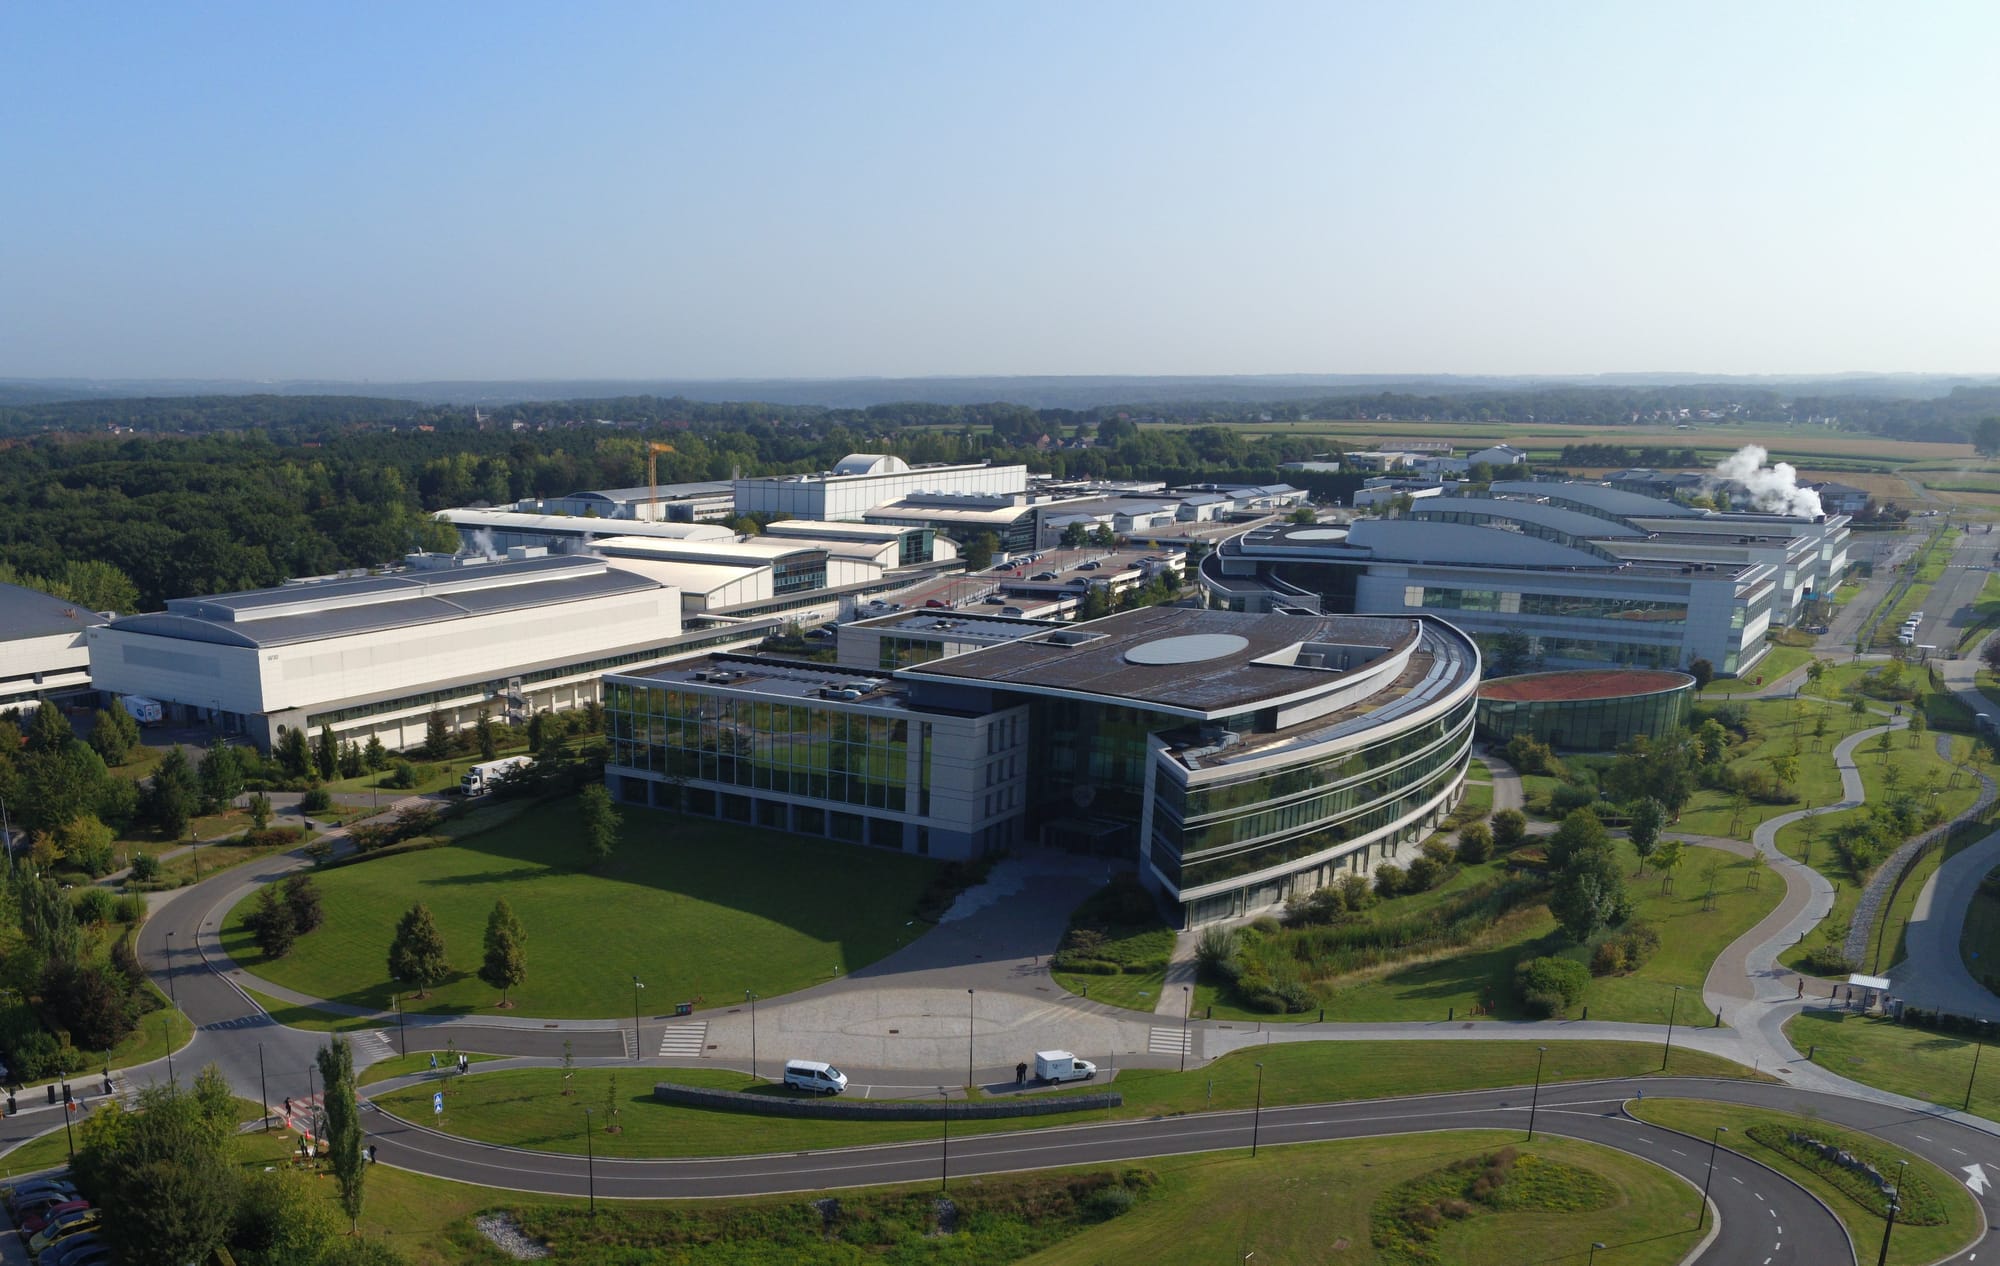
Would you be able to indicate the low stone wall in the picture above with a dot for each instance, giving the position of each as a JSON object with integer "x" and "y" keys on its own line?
{"x": 885, "y": 1110}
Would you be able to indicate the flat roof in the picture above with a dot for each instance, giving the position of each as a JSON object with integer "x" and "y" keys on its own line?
{"x": 827, "y": 530}
{"x": 751, "y": 553}
{"x": 963, "y": 626}
{"x": 1583, "y": 683}
{"x": 26, "y": 613}
{"x": 776, "y": 678}
{"x": 584, "y": 525}
{"x": 1187, "y": 660}
{"x": 645, "y": 492}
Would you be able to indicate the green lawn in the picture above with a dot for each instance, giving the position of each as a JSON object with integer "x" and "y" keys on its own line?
{"x": 46, "y": 1152}
{"x": 1456, "y": 985}
{"x": 1934, "y": 1067}
{"x": 311, "y": 1018}
{"x": 526, "y": 1107}
{"x": 1979, "y": 939}
{"x": 1778, "y": 661}
{"x": 415, "y": 1062}
{"x": 1911, "y": 1245}
{"x": 692, "y": 907}
{"x": 1298, "y": 1205}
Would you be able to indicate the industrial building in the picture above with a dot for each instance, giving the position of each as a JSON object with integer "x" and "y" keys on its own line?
{"x": 709, "y": 502}
{"x": 1589, "y": 575}
{"x": 378, "y": 654}
{"x": 1234, "y": 758}
{"x": 860, "y": 482}
{"x": 43, "y": 646}
{"x": 497, "y": 531}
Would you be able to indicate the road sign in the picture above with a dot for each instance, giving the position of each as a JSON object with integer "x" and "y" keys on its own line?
{"x": 437, "y": 1104}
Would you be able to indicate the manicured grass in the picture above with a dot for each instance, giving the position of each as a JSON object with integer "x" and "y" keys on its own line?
{"x": 1934, "y": 1067}
{"x": 526, "y": 1107}
{"x": 1134, "y": 991}
{"x": 1911, "y": 1245}
{"x": 416, "y": 1062}
{"x": 311, "y": 1018}
{"x": 1231, "y": 1208}
{"x": 49, "y": 1151}
{"x": 692, "y": 907}
{"x": 1979, "y": 939}
{"x": 159, "y": 1032}
{"x": 1131, "y": 935}
{"x": 1460, "y": 984}
{"x": 1778, "y": 661}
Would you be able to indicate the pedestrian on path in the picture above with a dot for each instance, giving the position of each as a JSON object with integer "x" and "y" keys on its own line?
{"x": 1802, "y": 988}
{"x": 1021, "y": 1073}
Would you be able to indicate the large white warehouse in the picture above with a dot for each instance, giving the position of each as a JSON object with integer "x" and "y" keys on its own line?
{"x": 861, "y": 481}
{"x": 42, "y": 646}
{"x": 378, "y": 654}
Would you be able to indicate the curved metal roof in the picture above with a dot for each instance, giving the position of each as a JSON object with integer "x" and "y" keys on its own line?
{"x": 1464, "y": 545}
{"x": 1553, "y": 517}
{"x": 1599, "y": 497}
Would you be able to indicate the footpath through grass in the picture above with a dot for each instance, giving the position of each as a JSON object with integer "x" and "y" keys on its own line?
{"x": 1300, "y": 1205}
{"x": 1930, "y": 1193}
{"x": 691, "y": 907}
{"x": 1934, "y": 1067}
{"x": 526, "y": 1107}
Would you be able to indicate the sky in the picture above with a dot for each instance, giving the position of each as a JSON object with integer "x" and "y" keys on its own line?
{"x": 504, "y": 191}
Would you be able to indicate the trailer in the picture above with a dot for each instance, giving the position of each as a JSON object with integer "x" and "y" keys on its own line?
{"x": 481, "y": 779}
{"x": 141, "y": 709}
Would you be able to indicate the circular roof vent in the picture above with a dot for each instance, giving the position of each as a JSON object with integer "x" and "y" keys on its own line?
{"x": 1193, "y": 649}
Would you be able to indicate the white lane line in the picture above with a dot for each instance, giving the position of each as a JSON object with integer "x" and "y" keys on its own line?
{"x": 1677, "y": 1151}
{"x": 1758, "y": 1194}
{"x": 1925, "y": 1137}
{"x": 1738, "y": 1181}
{"x": 1957, "y": 1150}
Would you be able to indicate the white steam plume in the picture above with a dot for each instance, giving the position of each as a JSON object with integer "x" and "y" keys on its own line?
{"x": 1773, "y": 489}
{"x": 482, "y": 540}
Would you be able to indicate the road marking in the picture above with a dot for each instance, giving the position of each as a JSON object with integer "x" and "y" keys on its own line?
{"x": 1758, "y": 1194}
{"x": 1164, "y": 1041}
{"x": 374, "y": 1045}
{"x": 1975, "y": 1178}
{"x": 1925, "y": 1137}
{"x": 1677, "y": 1151}
{"x": 1772, "y": 1212}
{"x": 684, "y": 1040}
{"x": 1738, "y": 1181}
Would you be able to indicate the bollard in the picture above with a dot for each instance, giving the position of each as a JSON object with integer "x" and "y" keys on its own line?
{"x": 1322, "y": 1015}
{"x": 1586, "y": 1011}
{"x": 52, "y": 1092}
{"x": 1812, "y": 1051}
{"x": 1718, "y": 1021}
{"x": 1450, "y": 1014}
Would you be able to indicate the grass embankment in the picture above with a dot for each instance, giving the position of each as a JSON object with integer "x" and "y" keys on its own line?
{"x": 1325, "y": 1201}
{"x": 690, "y": 907}
{"x": 417, "y": 1062}
{"x": 1777, "y": 661}
{"x": 1116, "y": 948}
{"x": 1979, "y": 938}
{"x": 1930, "y": 1194}
{"x": 526, "y": 1107}
{"x": 1934, "y": 1067}
{"x": 1478, "y": 978}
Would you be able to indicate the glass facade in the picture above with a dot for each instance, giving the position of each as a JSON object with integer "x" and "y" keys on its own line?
{"x": 796, "y": 749}
{"x": 1587, "y": 724}
{"x": 1562, "y": 605}
{"x": 1219, "y": 831}
{"x": 901, "y": 652}
{"x": 1088, "y": 760}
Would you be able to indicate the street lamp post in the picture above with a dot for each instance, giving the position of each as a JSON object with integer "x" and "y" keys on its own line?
{"x": 167, "y": 1037}
{"x": 752, "y": 998}
{"x": 171, "y": 992}
{"x": 1187, "y": 1012}
{"x": 1257, "y": 1113}
{"x": 637, "y": 985}
{"x": 1714, "y": 1140}
{"x": 970, "y": 1021}
{"x": 1882, "y": 1259}
{"x": 1672, "y": 1010}
{"x": 590, "y": 1160}
{"x": 1535, "y": 1098}
{"x": 68, "y": 1110}
{"x": 1981, "y": 1045}
{"x": 944, "y": 1142}
{"x": 263, "y": 1088}
{"x": 6, "y": 835}
{"x": 402, "y": 1036}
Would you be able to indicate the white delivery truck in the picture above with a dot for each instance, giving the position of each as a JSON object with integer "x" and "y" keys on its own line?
{"x": 1062, "y": 1066}
{"x": 481, "y": 779}
{"x": 143, "y": 710}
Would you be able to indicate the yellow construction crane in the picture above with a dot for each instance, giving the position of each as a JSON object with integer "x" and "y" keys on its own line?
{"x": 653, "y": 451}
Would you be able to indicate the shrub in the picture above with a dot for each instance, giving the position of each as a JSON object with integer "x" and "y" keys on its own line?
{"x": 1355, "y": 893}
{"x": 1567, "y": 797}
{"x": 1510, "y": 828}
{"x": 1531, "y": 757}
{"x": 316, "y": 800}
{"x": 131, "y": 908}
{"x": 1217, "y": 945}
{"x": 1542, "y": 1006}
{"x": 404, "y": 775}
{"x": 1109, "y": 1202}
{"x": 1560, "y": 978}
{"x": 1475, "y": 843}
{"x": 1389, "y": 879}
{"x": 1608, "y": 959}
{"x": 1424, "y": 874}
{"x": 92, "y": 905}
{"x": 1265, "y": 925}
{"x": 145, "y": 867}
{"x": 1826, "y": 960}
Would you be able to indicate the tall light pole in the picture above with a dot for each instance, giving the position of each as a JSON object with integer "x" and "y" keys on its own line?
{"x": 1187, "y": 1012}
{"x": 1975, "y": 1070}
{"x": 1882, "y": 1259}
{"x": 1535, "y": 1099}
{"x": 263, "y": 1088}
{"x": 944, "y": 1144}
{"x": 637, "y": 985}
{"x": 590, "y": 1160}
{"x": 753, "y": 1031}
{"x": 969, "y": 1022}
{"x": 402, "y": 1036}
{"x": 1701, "y": 1214}
{"x": 171, "y": 993}
{"x": 1257, "y": 1113}
{"x": 1668, "y": 1049}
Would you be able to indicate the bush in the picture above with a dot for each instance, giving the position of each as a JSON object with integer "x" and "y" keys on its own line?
{"x": 1265, "y": 925}
{"x": 1567, "y": 797}
{"x": 1355, "y": 893}
{"x": 404, "y": 775}
{"x": 131, "y": 908}
{"x": 1826, "y": 960}
{"x": 1557, "y": 978}
{"x": 316, "y": 800}
{"x": 301, "y": 894}
{"x": 145, "y": 867}
{"x": 1389, "y": 880}
{"x": 1109, "y": 1202}
{"x": 1217, "y": 945}
{"x": 1531, "y": 757}
{"x": 92, "y": 905}
{"x": 1608, "y": 959}
{"x": 1542, "y": 1006}
{"x": 1424, "y": 874}
{"x": 1510, "y": 828}
{"x": 1475, "y": 843}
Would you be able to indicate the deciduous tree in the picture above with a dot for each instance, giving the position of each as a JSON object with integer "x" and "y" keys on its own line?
{"x": 417, "y": 954}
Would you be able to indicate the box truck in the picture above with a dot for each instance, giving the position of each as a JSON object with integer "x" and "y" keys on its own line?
{"x": 1062, "y": 1066}
{"x": 143, "y": 710}
{"x": 481, "y": 779}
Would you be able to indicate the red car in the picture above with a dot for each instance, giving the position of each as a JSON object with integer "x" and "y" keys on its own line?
{"x": 36, "y": 1222}
{"x": 936, "y": 602}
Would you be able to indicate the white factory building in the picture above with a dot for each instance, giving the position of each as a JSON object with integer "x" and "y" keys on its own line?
{"x": 43, "y": 648}
{"x": 497, "y": 531}
{"x": 378, "y": 654}
{"x": 860, "y": 482}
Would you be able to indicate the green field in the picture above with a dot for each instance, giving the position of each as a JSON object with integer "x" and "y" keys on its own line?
{"x": 526, "y": 1107}
{"x": 1778, "y": 661}
{"x": 1458, "y": 984}
{"x": 1300, "y": 1204}
{"x": 1910, "y": 1245}
{"x": 1934, "y": 1067}
{"x": 692, "y": 907}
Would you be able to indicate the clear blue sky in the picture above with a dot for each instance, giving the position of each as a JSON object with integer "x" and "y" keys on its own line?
{"x": 552, "y": 190}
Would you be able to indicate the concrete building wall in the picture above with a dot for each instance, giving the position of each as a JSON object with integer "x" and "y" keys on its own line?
{"x": 838, "y": 497}
{"x": 34, "y": 666}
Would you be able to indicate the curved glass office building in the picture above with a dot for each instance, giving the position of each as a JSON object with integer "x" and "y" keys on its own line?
{"x": 1590, "y": 711}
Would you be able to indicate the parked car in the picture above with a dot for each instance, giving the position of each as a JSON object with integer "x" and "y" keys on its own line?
{"x": 1086, "y": 566}
{"x": 78, "y": 1250}
{"x": 41, "y": 1217}
{"x": 39, "y": 1192}
{"x": 59, "y": 1178}
{"x": 62, "y": 1228}
{"x": 995, "y": 600}
{"x": 811, "y": 1074}
{"x": 1043, "y": 575}
{"x": 936, "y": 602}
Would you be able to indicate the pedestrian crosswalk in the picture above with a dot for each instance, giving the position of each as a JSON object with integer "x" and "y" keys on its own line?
{"x": 1174, "y": 1041}
{"x": 371, "y": 1046}
{"x": 684, "y": 1040}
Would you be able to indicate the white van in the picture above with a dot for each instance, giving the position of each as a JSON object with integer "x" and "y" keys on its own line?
{"x": 810, "y": 1074}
